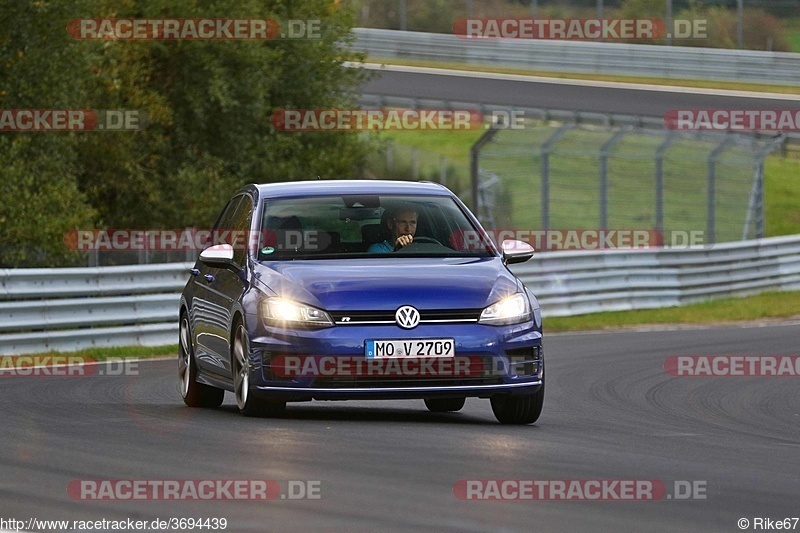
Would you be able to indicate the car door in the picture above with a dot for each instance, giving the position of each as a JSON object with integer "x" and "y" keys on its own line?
{"x": 210, "y": 305}
{"x": 228, "y": 286}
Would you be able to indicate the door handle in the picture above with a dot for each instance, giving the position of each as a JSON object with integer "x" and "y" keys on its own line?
{"x": 195, "y": 271}
{"x": 209, "y": 278}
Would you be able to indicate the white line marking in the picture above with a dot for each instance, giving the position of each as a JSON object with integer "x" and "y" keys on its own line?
{"x": 646, "y": 328}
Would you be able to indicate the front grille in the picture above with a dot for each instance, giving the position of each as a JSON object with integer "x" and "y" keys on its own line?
{"x": 478, "y": 371}
{"x": 430, "y": 316}
{"x": 366, "y": 383}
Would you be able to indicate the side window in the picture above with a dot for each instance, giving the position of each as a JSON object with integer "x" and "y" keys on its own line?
{"x": 233, "y": 226}
{"x": 224, "y": 220}
{"x": 240, "y": 224}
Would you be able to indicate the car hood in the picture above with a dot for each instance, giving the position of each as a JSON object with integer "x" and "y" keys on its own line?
{"x": 385, "y": 284}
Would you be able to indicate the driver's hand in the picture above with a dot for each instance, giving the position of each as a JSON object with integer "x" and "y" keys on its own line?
{"x": 403, "y": 240}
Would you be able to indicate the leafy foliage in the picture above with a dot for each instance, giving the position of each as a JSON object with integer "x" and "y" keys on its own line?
{"x": 207, "y": 106}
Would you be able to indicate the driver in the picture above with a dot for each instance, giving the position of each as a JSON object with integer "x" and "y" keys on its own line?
{"x": 402, "y": 227}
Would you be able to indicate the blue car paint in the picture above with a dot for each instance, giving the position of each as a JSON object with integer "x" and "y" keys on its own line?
{"x": 378, "y": 283}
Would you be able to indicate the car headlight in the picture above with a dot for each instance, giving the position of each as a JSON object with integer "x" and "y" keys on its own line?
{"x": 287, "y": 313}
{"x": 512, "y": 310}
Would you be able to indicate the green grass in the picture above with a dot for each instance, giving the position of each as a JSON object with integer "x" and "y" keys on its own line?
{"x": 700, "y": 84}
{"x": 116, "y": 353}
{"x": 793, "y": 38}
{"x": 792, "y": 33}
{"x": 768, "y": 305}
{"x": 782, "y": 195}
{"x": 631, "y": 205}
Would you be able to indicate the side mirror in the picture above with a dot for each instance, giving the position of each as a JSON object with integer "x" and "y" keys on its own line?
{"x": 219, "y": 256}
{"x": 516, "y": 251}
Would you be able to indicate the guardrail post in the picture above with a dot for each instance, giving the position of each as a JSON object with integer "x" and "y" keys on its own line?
{"x": 547, "y": 147}
{"x": 604, "y": 153}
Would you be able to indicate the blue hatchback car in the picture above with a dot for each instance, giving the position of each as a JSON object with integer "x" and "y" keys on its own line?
{"x": 336, "y": 290}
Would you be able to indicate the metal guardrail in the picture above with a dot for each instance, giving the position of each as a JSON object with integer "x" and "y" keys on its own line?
{"x": 40, "y": 309}
{"x": 680, "y": 62}
{"x": 67, "y": 309}
{"x": 573, "y": 283}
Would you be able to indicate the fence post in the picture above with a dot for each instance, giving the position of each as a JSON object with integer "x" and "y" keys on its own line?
{"x": 474, "y": 156}
{"x": 403, "y": 11}
{"x": 660, "y": 153}
{"x": 711, "y": 215}
{"x": 547, "y": 147}
{"x": 755, "y": 208}
{"x": 390, "y": 156}
{"x": 443, "y": 170}
{"x": 605, "y": 150}
{"x": 415, "y": 163}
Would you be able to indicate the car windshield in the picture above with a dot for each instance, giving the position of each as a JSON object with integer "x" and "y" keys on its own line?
{"x": 332, "y": 227}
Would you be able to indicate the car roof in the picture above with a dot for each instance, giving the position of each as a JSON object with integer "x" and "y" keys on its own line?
{"x": 326, "y": 187}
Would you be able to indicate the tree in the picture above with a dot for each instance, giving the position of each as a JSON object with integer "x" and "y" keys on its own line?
{"x": 208, "y": 106}
{"x": 40, "y": 200}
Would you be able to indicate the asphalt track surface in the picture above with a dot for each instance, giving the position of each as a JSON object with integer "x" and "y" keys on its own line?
{"x": 562, "y": 94}
{"x": 611, "y": 412}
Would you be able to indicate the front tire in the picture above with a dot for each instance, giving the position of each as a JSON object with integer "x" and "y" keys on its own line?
{"x": 247, "y": 404}
{"x": 194, "y": 394}
{"x": 445, "y": 405}
{"x": 518, "y": 409}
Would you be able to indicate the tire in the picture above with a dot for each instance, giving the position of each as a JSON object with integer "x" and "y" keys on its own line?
{"x": 518, "y": 409}
{"x": 240, "y": 366}
{"x": 194, "y": 394}
{"x": 445, "y": 405}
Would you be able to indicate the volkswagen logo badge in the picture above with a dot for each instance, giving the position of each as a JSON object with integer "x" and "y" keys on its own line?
{"x": 407, "y": 317}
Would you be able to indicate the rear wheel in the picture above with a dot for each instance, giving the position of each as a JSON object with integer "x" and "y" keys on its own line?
{"x": 518, "y": 409}
{"x": 247, "y": 404}
{"x": 444, "y": 405}
{"x": 194, "y": 394}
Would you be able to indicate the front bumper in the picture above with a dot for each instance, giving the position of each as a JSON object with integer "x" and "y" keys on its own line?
{"x": 512, "y": 354}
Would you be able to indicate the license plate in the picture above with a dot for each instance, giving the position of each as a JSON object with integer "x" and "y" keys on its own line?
{"x": 377, "y": 349}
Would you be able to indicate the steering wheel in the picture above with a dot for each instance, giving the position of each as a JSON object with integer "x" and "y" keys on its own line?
{"x": 421, "y": 240}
